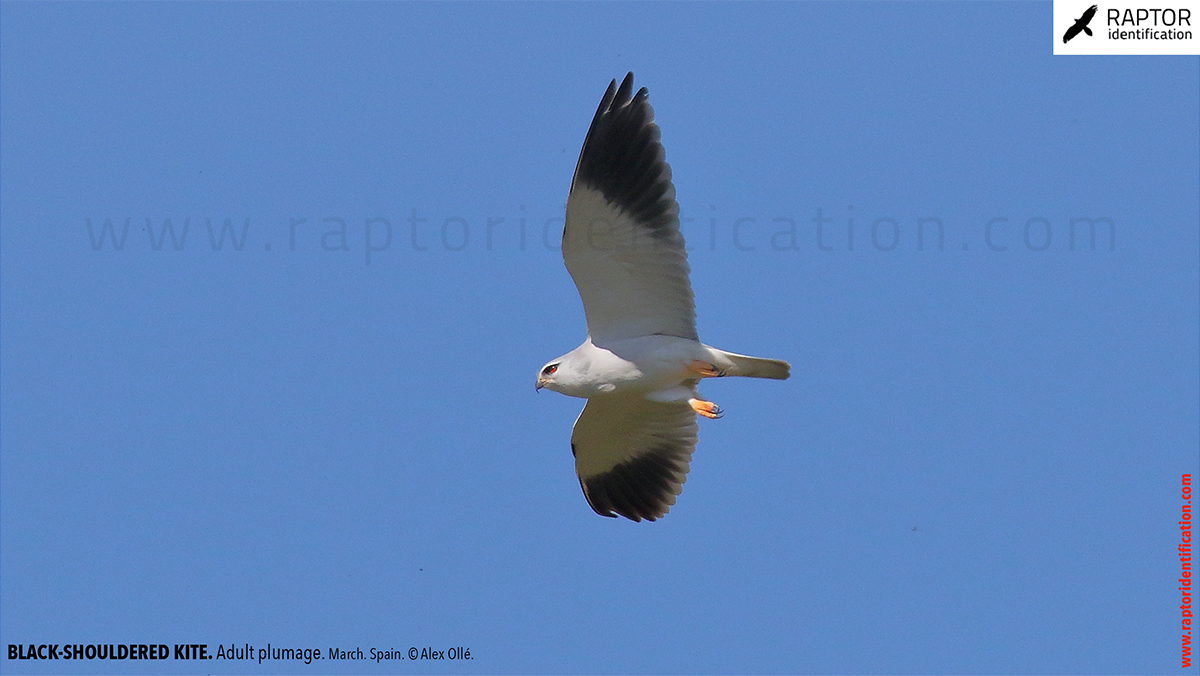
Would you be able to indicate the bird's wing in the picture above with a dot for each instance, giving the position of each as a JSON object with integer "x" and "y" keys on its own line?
{"x": 621, "y": 241}
{"x": 632, "y": 454}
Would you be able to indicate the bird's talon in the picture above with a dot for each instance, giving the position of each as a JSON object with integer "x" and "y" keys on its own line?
{"x": 706, "y": 408}
{"x": 705, "y": 369}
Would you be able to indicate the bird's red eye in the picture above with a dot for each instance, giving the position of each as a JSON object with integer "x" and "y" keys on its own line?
{"x": 549, "y": 370}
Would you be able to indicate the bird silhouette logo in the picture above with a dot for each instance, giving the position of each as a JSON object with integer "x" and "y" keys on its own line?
{"x": 1081, "y": 24}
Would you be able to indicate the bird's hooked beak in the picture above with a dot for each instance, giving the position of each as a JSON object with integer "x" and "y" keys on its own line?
{"x": 541, "y": 382}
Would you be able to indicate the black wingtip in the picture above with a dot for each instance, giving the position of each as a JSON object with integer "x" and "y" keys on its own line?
{"x": 606, "y": 101}
{"x": 639, "y": 489}
{"x": 623, "y": 93}
{"x": 622, "y": 157}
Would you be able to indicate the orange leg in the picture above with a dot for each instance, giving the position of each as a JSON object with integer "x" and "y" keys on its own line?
{"x": 706, "y": 408}
{"x": 705, "y": 369}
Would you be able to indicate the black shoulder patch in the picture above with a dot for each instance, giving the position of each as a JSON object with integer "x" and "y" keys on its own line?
{"x": 643, "y": 487}
{"x": 623, "y": 159}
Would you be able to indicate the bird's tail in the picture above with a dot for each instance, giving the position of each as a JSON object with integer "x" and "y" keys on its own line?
{"x": 752, "y": 367}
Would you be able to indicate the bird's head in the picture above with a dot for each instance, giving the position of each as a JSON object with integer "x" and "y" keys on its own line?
{"x": 569, "y": 374}
{"x": 545, "y": 377}
{"x": 566, "y": 375}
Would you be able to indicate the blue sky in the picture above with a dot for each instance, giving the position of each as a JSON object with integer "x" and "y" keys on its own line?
{"x": 975, "y": 467}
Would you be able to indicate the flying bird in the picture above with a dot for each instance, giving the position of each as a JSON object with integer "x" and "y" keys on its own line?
{"x": 642, "y": 360}
{"x": 1081, "y": 24}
